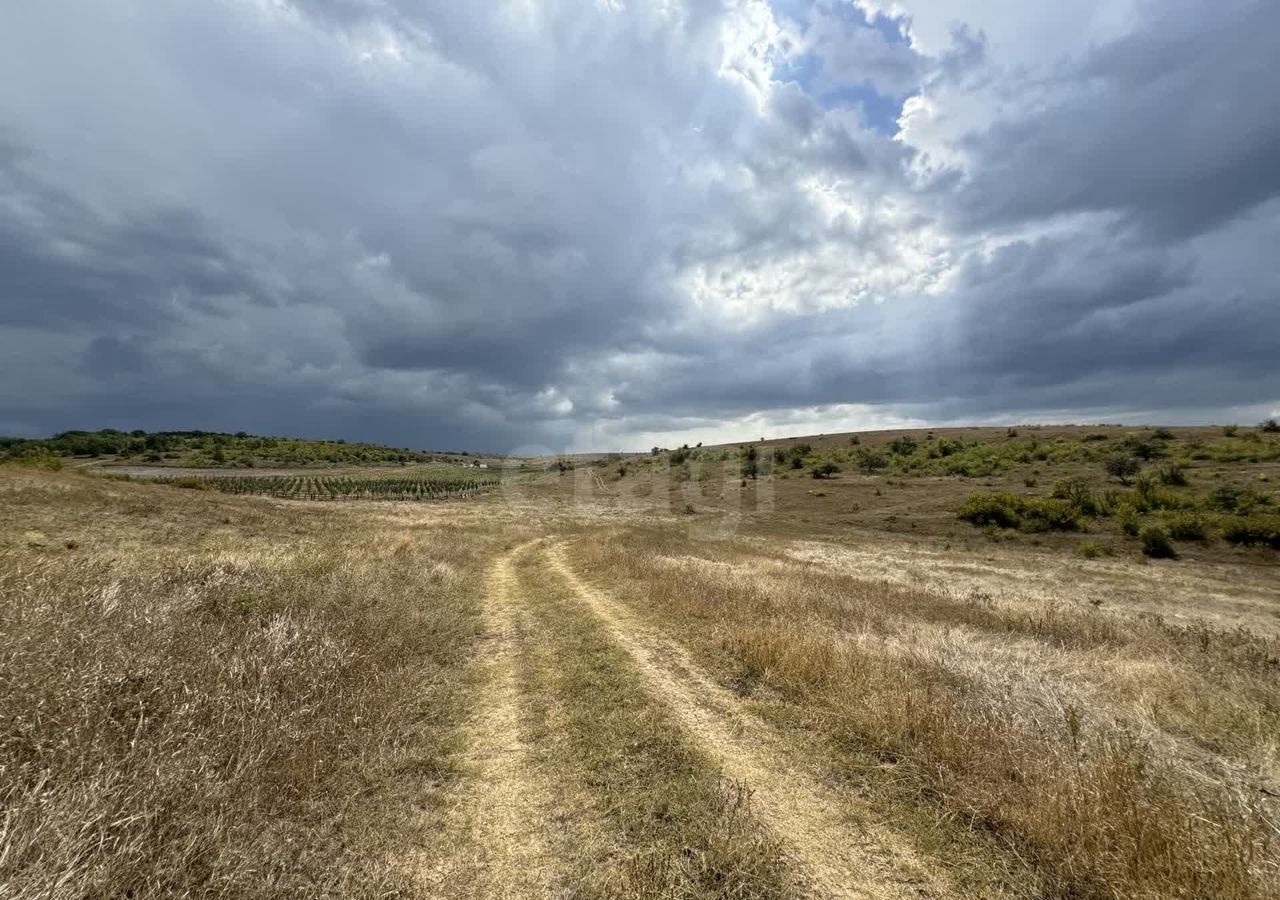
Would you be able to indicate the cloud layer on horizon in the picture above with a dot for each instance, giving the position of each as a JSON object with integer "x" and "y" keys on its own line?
{"x": 602, "y": 223}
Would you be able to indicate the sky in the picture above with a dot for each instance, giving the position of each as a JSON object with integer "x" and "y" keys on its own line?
{"x": 550, "y": 225}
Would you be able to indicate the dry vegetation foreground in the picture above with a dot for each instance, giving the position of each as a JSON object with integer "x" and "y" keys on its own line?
{"x": 517, "y": 696}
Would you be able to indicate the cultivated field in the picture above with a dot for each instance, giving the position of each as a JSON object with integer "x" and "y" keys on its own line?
{"x": 963, "y": 666}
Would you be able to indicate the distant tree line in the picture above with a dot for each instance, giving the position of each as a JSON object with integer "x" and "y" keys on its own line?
{"x": 218, "y": 448}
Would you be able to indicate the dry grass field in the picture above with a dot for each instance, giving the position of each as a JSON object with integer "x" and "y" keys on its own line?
{"x": 680, "y": 675}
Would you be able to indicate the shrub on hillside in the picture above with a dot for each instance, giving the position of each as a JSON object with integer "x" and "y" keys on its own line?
{"x": 869, "y": 459}
{"x": 945, "y": 447}
{"x": 1187, "y": 527}
{"x": 1255, "y": 531}
{"x": 1127, "y": 519}
{"x": 1008, "y": 510}
{"x": 1093, "y": 550}
{"x": 824, "y": 469}
{"x": 1147, "y": 496}
{"x": 1232, "y": 498}
{"x": 793, "y": 455}
{"x": 1050, "y": 515}
{"x": 1156, "y": 542}
{"x": 1122, "y": 468}
{"x": 1003, "y": 510}
{"x": 1077, "y": 492}
{"x": 39, "y": 458}
{"x": 1144, "y": 448}
{"x": 903, "y": 446}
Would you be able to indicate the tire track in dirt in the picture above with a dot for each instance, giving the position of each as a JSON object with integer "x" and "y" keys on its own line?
{"x": 843, "y": 854}
{"x": 504, "y": 808}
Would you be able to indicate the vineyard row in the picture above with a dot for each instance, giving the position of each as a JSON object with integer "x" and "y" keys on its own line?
{"x": 337, "y": 487}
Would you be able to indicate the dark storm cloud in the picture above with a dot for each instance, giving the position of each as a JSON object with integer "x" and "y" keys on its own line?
{"x": 1176, "y": 128}
{"x": 564, "y": 222}
{"x": 63, "y": 264}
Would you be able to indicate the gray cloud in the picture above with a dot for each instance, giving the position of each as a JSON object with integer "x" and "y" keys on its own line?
{"x": 1176, "y": 128}
{"x": 445, "y": 226}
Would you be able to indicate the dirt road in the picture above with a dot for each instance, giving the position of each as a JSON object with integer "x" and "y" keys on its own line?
{"x": 530, "y": 830}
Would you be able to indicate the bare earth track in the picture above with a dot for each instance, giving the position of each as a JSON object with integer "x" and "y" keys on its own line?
{"x": 507, "y": 855}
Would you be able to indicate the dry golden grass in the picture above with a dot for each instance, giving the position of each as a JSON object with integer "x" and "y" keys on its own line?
{"x": 193, "y": 707}
{"x": 1120, "y": 756}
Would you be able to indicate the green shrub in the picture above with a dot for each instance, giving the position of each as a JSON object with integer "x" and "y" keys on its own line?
{"x": 1258, "y": 531}
{"x": 1223, "y": 498}
{"x": 1006, "y": 510}
{"x": 1162, "y": 434}
{"x": 903, "y": 446}
{"x": 1174, "y": 476}
{"x": 1230, "y": 430}
{"x": 1127, "y": 519}
{"x": 1187, "y": 527}
{"x": 870, "y": 460}
{"x": 944, "y": 447}
{"x": 1049, "y": 515}
{"x": 1156, "y": 543}
{"x": 1077, "y": 492}
{"x": 1093, "y": 550}
{"x": 1003, "y": 509}
{"x": 1271, "y": 426}
{"x": 39, "y": 458}
{"x": 1144, "y": 448}
{"x": 1147, "y": 496}
{"x": 1122, "y": 467}
{"x": 824, "y": 469}
{"x": 1232, "y": 498}
{"x": 1111, "y": 500}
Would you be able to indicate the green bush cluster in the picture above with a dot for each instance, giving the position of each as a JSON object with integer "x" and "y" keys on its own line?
{"x": 1156, "y": 542}
{"x": 1251, "y": 448}
{"x": 1147, "y": 511}
{"x": 1077, "y": 492}
{"x": 1234, "y": 498}
{"x": 824, "y": 469}
{"x": 1093, "y": 550}
{"x": 1008, "y": 510}
{"x": 1253, "y": 531}
{"x": 1188, "y": 526}
{"x": 869, "y": 459}
{"x": 791, "y": 457}
{"x": 37, "y": 458}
